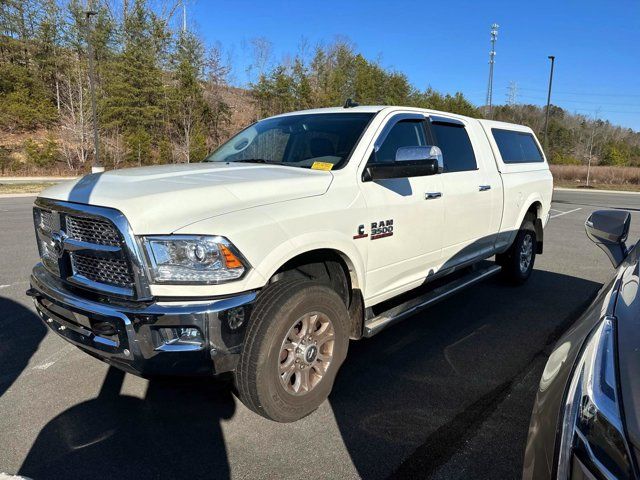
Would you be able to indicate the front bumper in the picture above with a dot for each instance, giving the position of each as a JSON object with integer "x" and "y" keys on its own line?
{"x": 126, "y": 334}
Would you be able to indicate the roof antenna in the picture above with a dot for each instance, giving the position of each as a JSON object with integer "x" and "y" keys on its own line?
{"x": 350, "y": 103}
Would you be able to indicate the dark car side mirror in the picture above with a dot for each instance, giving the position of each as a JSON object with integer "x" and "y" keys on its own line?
{"x": 609, "y": 229}
{"x": 418, "y": 161}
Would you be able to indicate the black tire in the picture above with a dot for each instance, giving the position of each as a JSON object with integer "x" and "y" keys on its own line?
{"x": 515, "y": 269}
{"x": 258, "y": 379}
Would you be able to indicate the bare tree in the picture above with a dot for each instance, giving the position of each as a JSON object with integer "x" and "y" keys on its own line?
{"x": 261, "y": 56}
{"x": 74, "y": 117}
{"x": 215, "y": 86}
{"x": 594, "y": 128}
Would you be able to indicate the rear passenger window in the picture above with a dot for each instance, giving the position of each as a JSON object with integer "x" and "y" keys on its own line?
{"x": 457, "y": 151}
{"x": 516, "y": 147}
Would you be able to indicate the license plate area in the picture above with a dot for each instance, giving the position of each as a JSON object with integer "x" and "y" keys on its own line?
{"x": 107, "y": 334}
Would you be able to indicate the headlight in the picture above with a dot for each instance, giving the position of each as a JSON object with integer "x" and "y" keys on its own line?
{"x": 592, "y": 427}
{"x": 187, "y": 259}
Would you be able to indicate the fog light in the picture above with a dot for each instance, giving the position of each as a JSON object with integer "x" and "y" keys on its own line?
{"x": 180, "y": 338}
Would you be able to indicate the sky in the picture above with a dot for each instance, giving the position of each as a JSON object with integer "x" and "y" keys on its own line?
{"x": 446, "y": 44}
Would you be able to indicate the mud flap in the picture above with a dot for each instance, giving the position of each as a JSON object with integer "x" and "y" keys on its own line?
{"x": 539, "y": 235}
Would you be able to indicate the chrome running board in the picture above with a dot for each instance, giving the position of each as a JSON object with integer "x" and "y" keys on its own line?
{"x": 414, "y": 305}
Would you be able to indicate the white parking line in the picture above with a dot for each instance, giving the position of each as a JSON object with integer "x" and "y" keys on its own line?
{"x": 12, "y": 284}
{"x": 564, "y": 213}
{"x": 54, "y": 357}
{"x": 44, "y": 366}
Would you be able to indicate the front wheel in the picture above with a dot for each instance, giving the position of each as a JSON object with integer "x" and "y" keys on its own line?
{"x": 517, "y": 262}
{"x": 296, "y": 342}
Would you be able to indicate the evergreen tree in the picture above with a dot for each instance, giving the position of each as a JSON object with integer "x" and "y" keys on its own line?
{"x": 133, "y": 87}
{"x": 190, "y": 112}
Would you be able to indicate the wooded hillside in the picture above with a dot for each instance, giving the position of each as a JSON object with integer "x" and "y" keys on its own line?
{"x": 164, "y": 96}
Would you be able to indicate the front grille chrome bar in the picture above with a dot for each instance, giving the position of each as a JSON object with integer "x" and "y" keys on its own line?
{"x": 94, "y": 231}
{"x": 108, "y": 256}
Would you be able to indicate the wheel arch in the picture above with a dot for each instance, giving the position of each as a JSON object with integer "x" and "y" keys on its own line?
{"x": 535, "y": 210}
{"x": 321, "y": 255}
{"x": 533, "y": 207}
{"x": 330, "y": 257}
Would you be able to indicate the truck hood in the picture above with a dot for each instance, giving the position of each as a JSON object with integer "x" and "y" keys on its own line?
{"x": 163, "y": 199}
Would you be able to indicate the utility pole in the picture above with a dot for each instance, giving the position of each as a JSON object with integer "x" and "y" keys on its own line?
{"x": 546, "y": 118}
{"x": 492, "y": 54}
{"x": 97, "y": 166}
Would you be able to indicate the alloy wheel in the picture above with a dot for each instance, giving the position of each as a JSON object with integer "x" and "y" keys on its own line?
{"x": 306, "y": 353}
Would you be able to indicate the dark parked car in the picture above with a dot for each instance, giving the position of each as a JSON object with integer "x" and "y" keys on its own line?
{"x": 586, "y": 417}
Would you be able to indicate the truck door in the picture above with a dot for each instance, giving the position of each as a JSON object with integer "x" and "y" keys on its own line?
{"x": 468, "y": 189}
{"x": 404, "y": 223}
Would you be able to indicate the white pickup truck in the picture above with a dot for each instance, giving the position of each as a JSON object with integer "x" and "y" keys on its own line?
{"x": 301, "y": 232}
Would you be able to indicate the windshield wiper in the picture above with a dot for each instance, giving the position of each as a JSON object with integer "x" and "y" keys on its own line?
{"x": 256, "y": 160}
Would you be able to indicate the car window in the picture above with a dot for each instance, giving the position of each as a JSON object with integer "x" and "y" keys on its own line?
{"x": 314, "y": 144}
{"x": 516, "y": 147}
{"x": 457, "y": 151}
{"x": 296, "y": 140}
{"x": 406, "y": 133}
{"x": 271, "y": 144}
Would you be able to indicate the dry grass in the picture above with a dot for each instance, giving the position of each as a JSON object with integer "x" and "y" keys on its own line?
{"x": 608, "y": 178}
{"x": 23, "y": 187}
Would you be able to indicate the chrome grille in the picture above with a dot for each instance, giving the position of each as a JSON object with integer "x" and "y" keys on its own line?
{"x": 90, "y": 247}
{"x": 102, "y": 270}
{"x": 49, "y": 258}
{"x": 92, "y": 230}
{"x": 46, "y": 220}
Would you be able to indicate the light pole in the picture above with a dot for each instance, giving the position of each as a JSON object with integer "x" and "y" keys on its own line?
{"x": 546, "y": 118}
{"x": 97, "y": 166}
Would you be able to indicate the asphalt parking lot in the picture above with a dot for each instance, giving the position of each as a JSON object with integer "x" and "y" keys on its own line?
{"x": 446, "y": 394}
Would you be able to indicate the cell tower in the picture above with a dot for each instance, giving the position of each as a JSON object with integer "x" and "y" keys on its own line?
{"x": 492, "y": 54}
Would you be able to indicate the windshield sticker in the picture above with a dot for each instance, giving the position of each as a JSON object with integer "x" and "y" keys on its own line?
{"x": 322, "y": 166}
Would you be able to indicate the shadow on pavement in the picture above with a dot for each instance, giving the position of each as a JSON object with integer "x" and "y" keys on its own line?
{"x": 21, "y": 333}
{"x": 423, "y": 385}
{"x": 174, "y": 432}
{"x": 412, "y": 392}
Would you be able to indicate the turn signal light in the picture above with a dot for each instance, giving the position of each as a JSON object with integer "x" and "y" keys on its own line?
{"x": 230, "y": 259}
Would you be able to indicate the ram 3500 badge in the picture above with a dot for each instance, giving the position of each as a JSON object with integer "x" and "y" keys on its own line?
{"x": 298, "y": 234}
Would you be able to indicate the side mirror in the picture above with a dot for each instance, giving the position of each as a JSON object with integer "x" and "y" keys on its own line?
{"x": 410, "y": 162}
{"x": 420, "y": 154}
{"x": 609, "y": 229}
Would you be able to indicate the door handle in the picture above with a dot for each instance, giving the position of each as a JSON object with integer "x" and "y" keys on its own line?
{"x": 432, "y": 195}
{"x": 484, "y": 188}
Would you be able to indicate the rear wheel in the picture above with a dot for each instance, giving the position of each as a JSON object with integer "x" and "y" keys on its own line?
{"x": 296, "y": 342}
{"x": 517, "y": 262}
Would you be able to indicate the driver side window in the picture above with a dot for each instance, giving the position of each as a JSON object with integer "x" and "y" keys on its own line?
{"x": 406, "y": 133}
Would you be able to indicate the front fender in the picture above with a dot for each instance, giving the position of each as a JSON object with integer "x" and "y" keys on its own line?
{"x": 267, "y": 244}
{"x": 310, "y": 241}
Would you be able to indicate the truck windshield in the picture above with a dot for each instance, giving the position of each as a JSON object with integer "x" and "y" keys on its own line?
{"x": 321, "y": 141}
